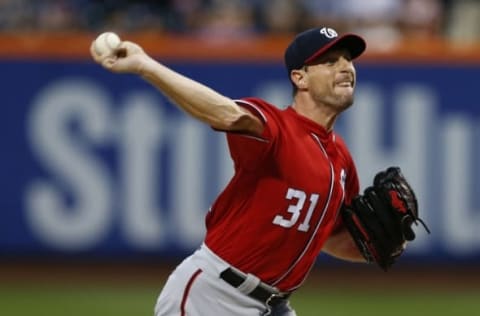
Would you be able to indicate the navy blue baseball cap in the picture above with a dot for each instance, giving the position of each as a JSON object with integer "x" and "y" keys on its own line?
{"x": 311, "y": 44}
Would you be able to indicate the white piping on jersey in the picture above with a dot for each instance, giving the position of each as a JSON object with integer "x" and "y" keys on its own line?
{"x": 324, "y": 212}
{"x": 264, "y": 118}
{"x": 253, "y": 106}
{"x": 321, "y": 147}
{"x": 254, "y": 137}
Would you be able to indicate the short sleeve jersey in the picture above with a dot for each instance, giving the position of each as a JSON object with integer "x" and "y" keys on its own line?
{"x": 283, "y": 200}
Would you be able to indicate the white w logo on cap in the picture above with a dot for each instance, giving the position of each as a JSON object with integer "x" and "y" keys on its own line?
{"x": 328, "y": 32}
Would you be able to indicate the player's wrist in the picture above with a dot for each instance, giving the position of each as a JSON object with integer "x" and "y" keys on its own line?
{"x": 146, "y": 67}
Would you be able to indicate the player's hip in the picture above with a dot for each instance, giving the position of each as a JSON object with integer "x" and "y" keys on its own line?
{"x": 196, "y": 287}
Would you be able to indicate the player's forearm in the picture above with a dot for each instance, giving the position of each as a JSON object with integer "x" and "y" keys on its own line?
{"x": 342, "y": 246}
{"x": 196, "y": 99}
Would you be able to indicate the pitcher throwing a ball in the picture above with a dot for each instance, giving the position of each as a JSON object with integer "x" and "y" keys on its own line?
{"x": 295, "y": 190}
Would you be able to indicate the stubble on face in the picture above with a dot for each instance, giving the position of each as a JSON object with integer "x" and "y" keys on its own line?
{"x": 330, "y": 96}
{"x": 333, "y": 80}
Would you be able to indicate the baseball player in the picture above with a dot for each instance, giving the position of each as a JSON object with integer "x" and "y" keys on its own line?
{"x": 292, "y": 175}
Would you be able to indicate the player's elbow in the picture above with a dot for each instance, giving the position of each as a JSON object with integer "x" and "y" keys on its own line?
{"x": 241, "y": 121}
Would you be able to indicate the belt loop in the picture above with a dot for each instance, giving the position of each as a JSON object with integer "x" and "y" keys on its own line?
{"x": 252, "y": 286}
{"x": 250, "y": 283}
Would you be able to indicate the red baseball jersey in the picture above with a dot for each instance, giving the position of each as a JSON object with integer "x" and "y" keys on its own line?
{"x": 283, "y": 201}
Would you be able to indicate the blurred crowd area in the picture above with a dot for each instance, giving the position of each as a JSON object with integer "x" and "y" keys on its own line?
{"x": 380, "y": 21}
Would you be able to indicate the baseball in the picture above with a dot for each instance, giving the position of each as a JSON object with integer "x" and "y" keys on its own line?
{"x": 106, "y": 42}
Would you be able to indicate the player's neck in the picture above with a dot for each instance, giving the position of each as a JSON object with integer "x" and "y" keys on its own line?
{"x": 323, "y": 115}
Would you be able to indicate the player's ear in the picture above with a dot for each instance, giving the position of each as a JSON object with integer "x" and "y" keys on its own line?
{"x": 298, "y": 77}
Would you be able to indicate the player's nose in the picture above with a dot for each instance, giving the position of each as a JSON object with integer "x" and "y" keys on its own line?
{"x": 345, "y": 65}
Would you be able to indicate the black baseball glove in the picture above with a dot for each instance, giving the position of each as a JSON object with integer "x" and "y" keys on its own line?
{"x": 380, "y": 221}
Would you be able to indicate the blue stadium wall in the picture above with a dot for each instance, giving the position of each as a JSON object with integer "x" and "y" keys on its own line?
{"x": 102, "y": 165}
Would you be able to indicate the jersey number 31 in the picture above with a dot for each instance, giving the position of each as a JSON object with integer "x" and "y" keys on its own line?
{"x": 296, "y": 208}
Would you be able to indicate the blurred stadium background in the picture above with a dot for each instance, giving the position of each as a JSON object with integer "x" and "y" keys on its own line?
{"x": 105, "y": 184}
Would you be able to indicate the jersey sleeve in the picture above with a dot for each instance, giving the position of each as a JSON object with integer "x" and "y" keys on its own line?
{"x": 247, "y": 151}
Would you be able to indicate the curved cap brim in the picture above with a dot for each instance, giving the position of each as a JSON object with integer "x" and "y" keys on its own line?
{"x": 355, "y": 44}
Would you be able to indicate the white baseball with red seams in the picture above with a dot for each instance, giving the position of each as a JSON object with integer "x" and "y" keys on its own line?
{"x": 106, "y": 43}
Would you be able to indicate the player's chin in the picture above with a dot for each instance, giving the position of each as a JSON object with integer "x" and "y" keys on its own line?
{"x": 345, "y": 101}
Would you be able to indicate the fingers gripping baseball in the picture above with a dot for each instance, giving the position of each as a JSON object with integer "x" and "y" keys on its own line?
{"x": 116, "y": 55}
